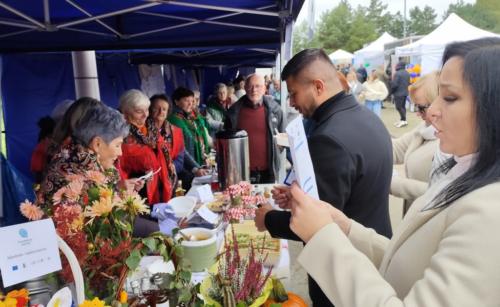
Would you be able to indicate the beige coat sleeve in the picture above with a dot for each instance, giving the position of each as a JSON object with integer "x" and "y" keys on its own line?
{"x": 400, "y": 146}
{"x": 368, "y": 241}
{"x": 464, "y": 270}
{"x": 407, "y": 188}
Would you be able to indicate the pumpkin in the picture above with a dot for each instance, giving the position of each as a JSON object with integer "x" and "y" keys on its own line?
{"x": 293, "y": 301}
{"x": 279, "y": 297}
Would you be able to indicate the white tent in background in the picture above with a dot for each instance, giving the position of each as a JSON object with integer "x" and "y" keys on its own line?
{"x": 341, "y": 57}
{"x": 372, "y": 56}
{"x": 431, "y": 47}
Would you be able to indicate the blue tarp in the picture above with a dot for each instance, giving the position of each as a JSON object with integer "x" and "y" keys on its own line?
{"x": 16, "y": 188}
{"x": 33, "y": 84}
{"x": 139, "y": 24}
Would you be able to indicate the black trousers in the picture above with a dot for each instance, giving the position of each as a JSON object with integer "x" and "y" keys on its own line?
{"x": 400, "y": 102}
{"x": 318, "y": 298}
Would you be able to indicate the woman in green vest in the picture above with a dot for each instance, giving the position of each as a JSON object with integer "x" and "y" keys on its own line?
{"x": 193, "y": 125}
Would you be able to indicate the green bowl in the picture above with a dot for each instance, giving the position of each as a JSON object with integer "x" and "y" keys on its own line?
{"x": 200, "y": 254}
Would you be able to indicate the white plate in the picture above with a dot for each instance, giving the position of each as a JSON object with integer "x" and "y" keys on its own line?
{"x": 202, "y": 180}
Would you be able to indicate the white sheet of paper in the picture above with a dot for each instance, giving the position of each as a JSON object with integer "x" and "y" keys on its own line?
{"x": 31, "y": 251}
{"x": 207, "y": 214}
{"x": 302, "y": 163}
{"x": 205, "y": 193}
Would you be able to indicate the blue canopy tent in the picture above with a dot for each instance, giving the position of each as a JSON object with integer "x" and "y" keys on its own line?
{"x": 57, "y": 25}
{"x": 212, "y": 32}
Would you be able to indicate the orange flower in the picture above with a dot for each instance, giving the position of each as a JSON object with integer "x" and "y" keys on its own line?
{"x": 123, "y": 297}
{"x": 105, "y": 193}
{"x": 100, "y": 207}
{"x": 21, "y": 297}
{"x": 24, "y": 293}
{"x": 57, "y": 197}
{"x": 31, "y": 211}
{"x": 74, "y": 189}
{"x": 97, "y": 177}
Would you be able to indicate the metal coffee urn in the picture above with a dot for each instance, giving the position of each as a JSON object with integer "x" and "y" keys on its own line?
{"x": 233, "y": 159}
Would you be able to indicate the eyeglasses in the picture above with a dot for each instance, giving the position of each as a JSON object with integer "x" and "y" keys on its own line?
{"x": 422, "y": 109}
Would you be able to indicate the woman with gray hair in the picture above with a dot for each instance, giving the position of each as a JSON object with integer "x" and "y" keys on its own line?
{"x": 95, "y": 145}
{"x": 217, "y": 107}
{"x": 145, "y": 150}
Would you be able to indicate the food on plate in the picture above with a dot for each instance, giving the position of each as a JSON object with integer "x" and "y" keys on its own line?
{"x": 244, "y": 240}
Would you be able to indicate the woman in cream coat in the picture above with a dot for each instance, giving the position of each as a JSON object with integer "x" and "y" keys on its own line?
{"x": 374, "y": 92}
{"x": 416, "y": 148}
{"x": 446, "y": 251}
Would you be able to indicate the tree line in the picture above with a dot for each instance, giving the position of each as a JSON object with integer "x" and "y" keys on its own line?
{"x": 348, "y": 28}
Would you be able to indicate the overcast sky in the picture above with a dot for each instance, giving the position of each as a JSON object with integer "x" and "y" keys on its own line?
{"x": 439, "y": 6}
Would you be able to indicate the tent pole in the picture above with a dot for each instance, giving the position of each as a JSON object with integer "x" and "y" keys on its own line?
{"x": 46, "y": 12}
{"x": 97, "y": 20}
{"x": 285, "y": 55}
{"x": 106, "y": 15}
{"x": 219, "y": 8}
{"x": 21, "y": 14}
{"x": 85, "y": 74}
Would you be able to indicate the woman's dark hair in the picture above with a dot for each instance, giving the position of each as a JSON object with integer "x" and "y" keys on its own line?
{"x": 77, "y": 111}
{"x": 181, "y": 92}
{"x": 46, "y": 125}
{"x": 157, "y": 97}
{"x": 481, "y": 71}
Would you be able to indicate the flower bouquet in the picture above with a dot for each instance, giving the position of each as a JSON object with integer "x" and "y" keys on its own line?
{"x": 242, "y": 202}
{"x": 96, "y": 220}
{"x": 15, "y": 298}
{"x": 238, "y": 281}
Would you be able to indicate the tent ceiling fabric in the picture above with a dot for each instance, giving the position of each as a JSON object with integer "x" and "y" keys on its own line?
{"x": 256, "y": 57}
{"x": 69, "y": 25}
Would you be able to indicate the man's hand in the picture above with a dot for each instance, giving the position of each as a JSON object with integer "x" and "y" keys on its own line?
{"x": 260, "y": 216}
{"x": 282, "y": 196}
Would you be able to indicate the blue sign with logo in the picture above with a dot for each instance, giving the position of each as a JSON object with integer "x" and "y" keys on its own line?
{"x": 23, "y": 233}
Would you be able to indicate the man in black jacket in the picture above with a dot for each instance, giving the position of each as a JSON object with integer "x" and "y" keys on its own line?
{"x": 350, "y": 149}
{"x": 399, "y": 90}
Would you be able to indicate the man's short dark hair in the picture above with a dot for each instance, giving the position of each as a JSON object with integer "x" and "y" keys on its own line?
{"x": 303, "y": 59}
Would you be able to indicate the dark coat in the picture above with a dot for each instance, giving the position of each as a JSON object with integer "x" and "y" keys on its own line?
{"x": 275, "y": 121}
{"x": 351, "y": 152}
{"x": 401, "y": 81}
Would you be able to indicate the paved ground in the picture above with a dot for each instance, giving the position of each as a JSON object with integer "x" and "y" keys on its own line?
{"x": 298, "y": 283}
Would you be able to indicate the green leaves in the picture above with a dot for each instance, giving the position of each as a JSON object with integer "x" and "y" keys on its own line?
{"x": 133, "y": 260}
{"x": 185, "y": 295}
{"x": 150, "y": 243}
{"x": 422, "y": 21}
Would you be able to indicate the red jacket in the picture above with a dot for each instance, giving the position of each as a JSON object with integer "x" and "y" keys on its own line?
{"x": 137, "y": 159}
{"x": 177, "y": 145}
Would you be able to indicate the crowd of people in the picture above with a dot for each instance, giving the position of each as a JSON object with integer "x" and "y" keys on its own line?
{"x": 169, "y": 137}
{"x": 443, "y": 254}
